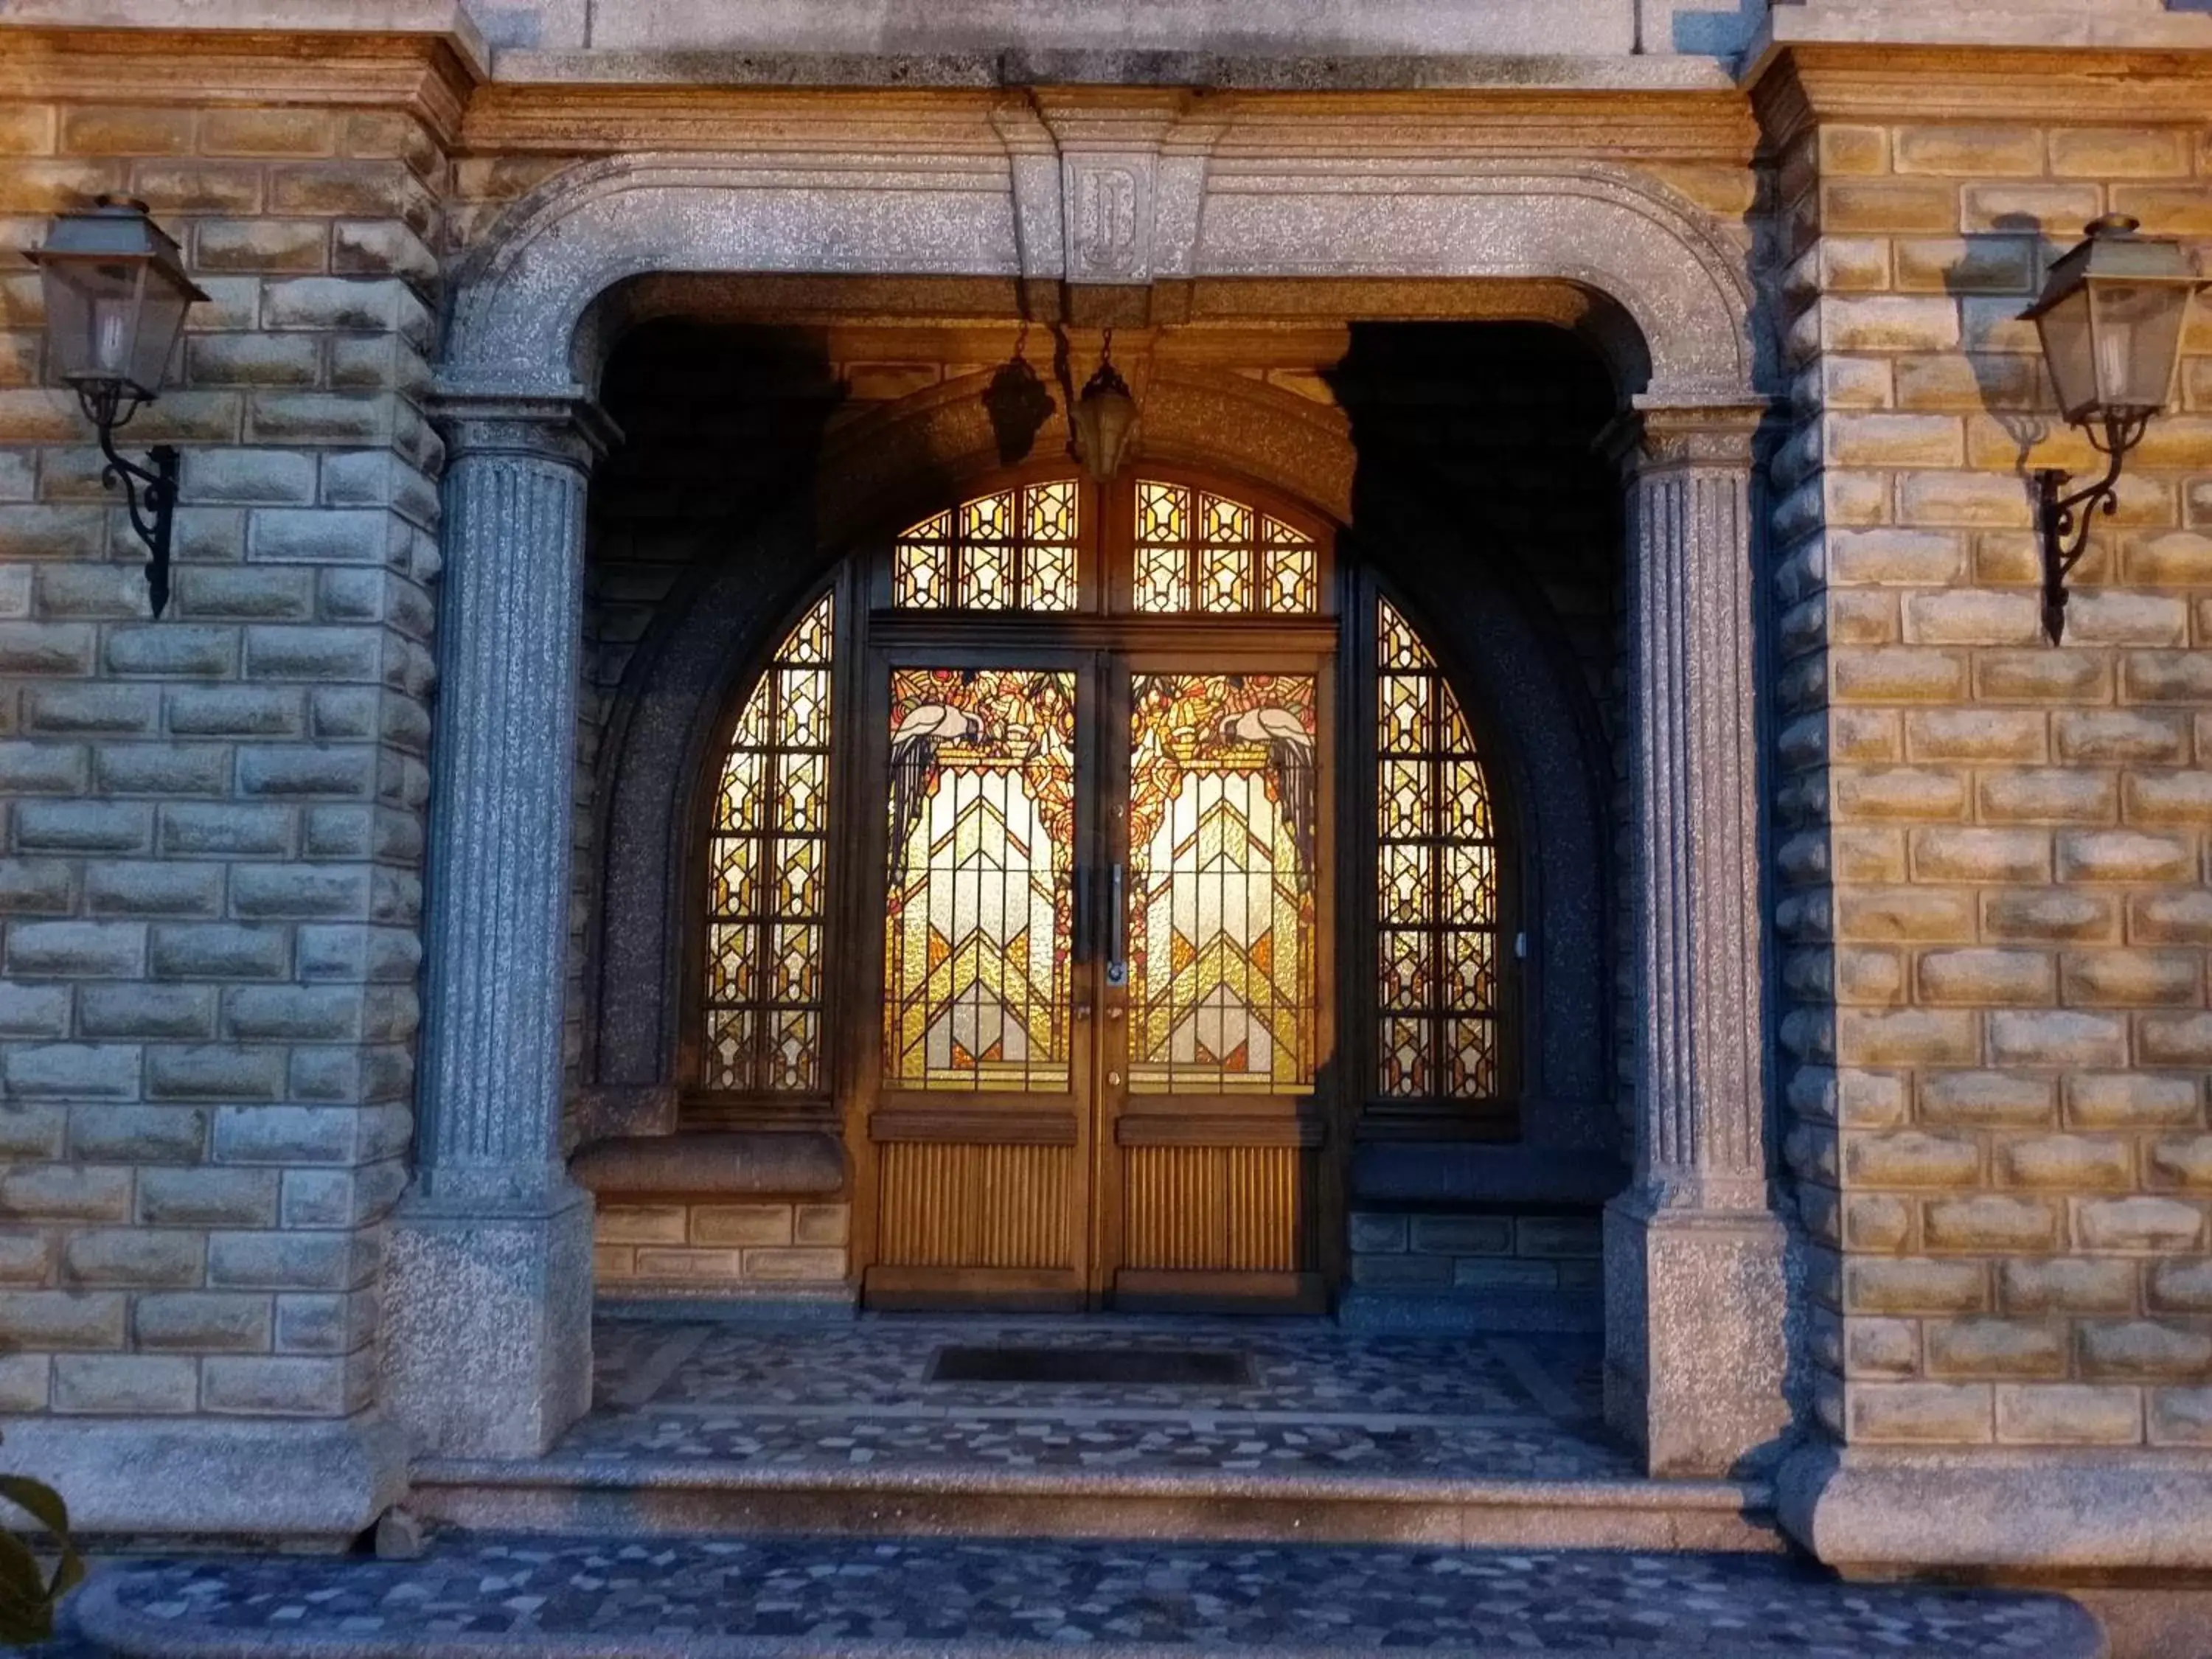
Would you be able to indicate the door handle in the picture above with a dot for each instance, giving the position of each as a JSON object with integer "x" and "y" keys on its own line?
{"x": 1079, "y": 943}
{"x": 1117, "y": 925}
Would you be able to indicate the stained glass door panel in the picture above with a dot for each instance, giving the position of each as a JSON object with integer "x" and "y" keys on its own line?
{"x": 980, "y": 1120}
{"x": 1216, "y": 1042}
{"x": 1223, "y": 824}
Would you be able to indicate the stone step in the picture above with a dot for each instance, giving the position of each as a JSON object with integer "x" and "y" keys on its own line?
{"x": 939, "y": 1598}
{"x": 581, "y": 1496}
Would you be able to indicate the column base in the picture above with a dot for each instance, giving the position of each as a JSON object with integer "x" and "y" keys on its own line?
{"x": 488, "y": 1326}
{"x": 2049, "y": 1511}
{"x": 1697, "y": 1352}
{"x": 139, "y": 1477}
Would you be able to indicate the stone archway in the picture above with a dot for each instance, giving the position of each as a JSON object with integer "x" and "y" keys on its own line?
{"x": 494, "y": 1237}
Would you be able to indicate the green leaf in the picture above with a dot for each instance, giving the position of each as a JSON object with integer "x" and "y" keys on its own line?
{"x": 38, "y": 1499}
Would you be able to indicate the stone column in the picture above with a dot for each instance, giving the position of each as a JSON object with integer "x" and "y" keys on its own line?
{"x": 1696, "y": 1359}
{"x": 488, "y": 1277}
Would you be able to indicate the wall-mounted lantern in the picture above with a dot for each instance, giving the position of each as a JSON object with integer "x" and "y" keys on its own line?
{"x": 116, "y": 296}
{"x": 2111, "y": 316}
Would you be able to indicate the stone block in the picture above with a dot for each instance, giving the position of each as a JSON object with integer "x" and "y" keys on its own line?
{"x": 1950, "y": 1413}
{"x": 36, "y": 887}
{"x": 2125, "y": 855}
{"x": 1406, "y": 1273}
{"x": 1876, "y": 1221}
{"x": 1898, "y": 674}
{"x": 134, "y": 1257}
{"x": 819, "y": 1224}
{"x": 201, "y": 1322}
{"x": 289, "y": 770}
{"x": 1461, "y": 1234}
{"x": 1907, "y": 1036}
{"x": 26, "y": 1257}
{"x": 235, "y": 711}
{"x": 257, "y": 477}
{"x": 62, "y": 1319}
{"x": 1903, "y": 915}
{"x": 255, "y": 1013}
{"x": 2183, "y": 1163}
{"x": 83, "y": 826}
{"x": 2054, "y": 1037}
{"x": 1985, "y": 976}
{"x": 145, "y": 1011}
{"x": 791, "y": 1267}
{"x": 301, "y": 891}
{"x": 2177, "y": 1287}
{"x": 246, "y": 592}
{"x": 1984, "y": 1348}
{"x": 151, "y": 888}
{"x": 283, "y": 1260}
{"x": 261, "y": 244}
{"x": 1915, "y": 1286}
{"x": 1881, "y": 1347}
{"x": 216, "y": 950}
{"x": 2056, "y": 917}
{"x": 207, "y": 1197}
{"x": 2132, "y": 978}
{"x": 2180, "y": 1416}
{"x": 2070, "y": 1285}
{"x": 2068, "y": 1414}
{"x": 641, "y": 1224}
{"x": 2176, "y": 918}
{"x": 2133, "y": 1100}
{"x": 70, "y": 1071}
{"x": 278, "y": 132}
{"x": 1903, "y": 207}
{"x": 210, "y": 1070}
{"x": 158, "y": 769}
{"x": 275, "y": 1386}
{"x": 1490, "y": 1273}
{"x": 2138, "y": 1223}
{"x": 196, "y": 187}
{"x": 136, "y": 1385}
{"x": 109, "y": 1133}
{"x": 2146, "y": 1349}
{"x": 2166, "y": 797}
{"x": 1369, "y": 1233}
{"x": 1883, "y": 440}
{"x": 1990, "y": 1222}
{"x": 1863, "y": 793}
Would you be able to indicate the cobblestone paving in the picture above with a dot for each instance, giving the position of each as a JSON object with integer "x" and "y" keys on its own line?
{"x": 1322, "y": 1401}
{"x": 703, "y": 1599}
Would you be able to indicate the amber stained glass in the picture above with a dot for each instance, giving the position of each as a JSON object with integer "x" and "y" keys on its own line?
{"x": 983, "y": 837}
{"x": 767, "y": 859}
{"x": 1198, "y": 552}
{"x": 1222, "y": 827}
{"x": 1437, "y": 882}
{"x": 1013, "y": 550}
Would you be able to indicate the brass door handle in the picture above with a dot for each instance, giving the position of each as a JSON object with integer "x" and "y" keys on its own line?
{"x": 1117, "y": 925}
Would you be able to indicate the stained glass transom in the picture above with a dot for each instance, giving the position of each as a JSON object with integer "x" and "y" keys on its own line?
{"x": 764, "y": 1001}
{"x": 1202, "y": 553}
{"x": 1437, "y": 882}
{"x": 1014, "y": 551}
{"x": 1222, "y": 825}
{"x": 983, "y": 838}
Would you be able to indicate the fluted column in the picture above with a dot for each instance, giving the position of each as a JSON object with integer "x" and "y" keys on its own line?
{"x": 1695, "y": 1260}
{"x": 488, "y": 1351}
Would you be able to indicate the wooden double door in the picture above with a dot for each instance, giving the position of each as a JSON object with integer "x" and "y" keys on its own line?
{"x": 1102, "y": 863}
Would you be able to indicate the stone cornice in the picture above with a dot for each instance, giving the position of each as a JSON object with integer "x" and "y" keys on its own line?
{"x": 1800, "y": 84}
{"x": 1713, "y": 126}
{"x": 427, "y": 72}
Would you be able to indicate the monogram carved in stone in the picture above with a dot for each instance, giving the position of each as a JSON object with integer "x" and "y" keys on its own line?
{"x": 1106, "y": 219}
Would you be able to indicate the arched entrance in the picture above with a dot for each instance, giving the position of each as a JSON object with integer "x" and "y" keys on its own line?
{"x": 1097, "y": 855}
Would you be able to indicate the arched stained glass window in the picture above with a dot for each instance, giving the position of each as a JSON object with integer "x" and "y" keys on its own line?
{"x": 1437, "y": 996}
{"x": 766, "y": 870}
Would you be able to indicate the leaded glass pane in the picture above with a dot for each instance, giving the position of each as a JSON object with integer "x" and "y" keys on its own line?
{"x": 1222, "y": 827}
{"x": 765, "y": 864}
{"x": 983, "y": 837}
{"x": 1435, "y": 882}
{"x": 1202, "y": 553}
{"x": 1011, "y": 550}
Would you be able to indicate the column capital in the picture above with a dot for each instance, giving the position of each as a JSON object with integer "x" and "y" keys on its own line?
{"x": 1659, "y": 434}
{"x": 568, "y": 427}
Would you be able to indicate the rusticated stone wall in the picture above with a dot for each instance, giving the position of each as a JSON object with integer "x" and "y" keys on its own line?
{"x": 1993, "y": 911}
{"x": 210, "y": 883}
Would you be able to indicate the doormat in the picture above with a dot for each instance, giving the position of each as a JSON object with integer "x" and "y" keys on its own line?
{"x": 1173, "y": 1367}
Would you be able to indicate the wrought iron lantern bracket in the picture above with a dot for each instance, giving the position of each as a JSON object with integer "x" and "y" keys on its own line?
{"x": 2063, "y": 522}
{"x": 149, "y": 492}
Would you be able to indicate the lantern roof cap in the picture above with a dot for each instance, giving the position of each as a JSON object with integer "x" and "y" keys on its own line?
{"x": 2115, "y": 251}
{"x": 116, "y": 227}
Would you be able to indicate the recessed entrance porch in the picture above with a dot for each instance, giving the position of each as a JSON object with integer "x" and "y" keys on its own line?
{"x": 1327, "y": 1434}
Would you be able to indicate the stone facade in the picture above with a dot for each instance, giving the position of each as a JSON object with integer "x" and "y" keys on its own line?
{"x": 1909, "y": 910}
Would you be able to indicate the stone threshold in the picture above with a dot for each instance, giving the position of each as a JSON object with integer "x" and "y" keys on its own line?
{"x": 583, "y": 1495}
{"x": 1021, "y": 1598}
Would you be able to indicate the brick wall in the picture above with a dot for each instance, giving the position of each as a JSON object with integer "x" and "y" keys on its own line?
{"x": 1992, "y": 854}
{"x": 210, "y": 882}
{"x": 767, "y": 1249}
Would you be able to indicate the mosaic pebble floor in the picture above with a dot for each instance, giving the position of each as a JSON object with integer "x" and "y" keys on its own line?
{"x": 707, "y": 1599}
{"x": 1322, "y": 1400}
